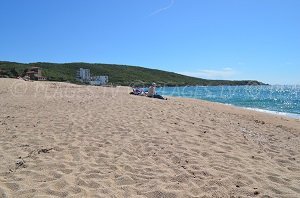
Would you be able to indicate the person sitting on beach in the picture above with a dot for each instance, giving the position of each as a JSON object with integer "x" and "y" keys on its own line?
{"x": 152, "y": 92}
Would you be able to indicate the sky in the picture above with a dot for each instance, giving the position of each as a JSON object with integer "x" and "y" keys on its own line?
{"x": 214, "y": 39}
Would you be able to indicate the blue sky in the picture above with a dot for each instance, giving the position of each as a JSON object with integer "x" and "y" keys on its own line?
{"x": 216, "y": 39}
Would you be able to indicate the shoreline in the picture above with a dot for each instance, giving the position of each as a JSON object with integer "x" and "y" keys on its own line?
{"x": 242, "y": 110}
{"x": 270, "y": 112}
{"x": 264, "y": 111}
{"x": 277, "y": 113}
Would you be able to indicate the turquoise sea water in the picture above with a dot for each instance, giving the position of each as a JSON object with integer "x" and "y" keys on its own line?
{"x": 284, "y": 100}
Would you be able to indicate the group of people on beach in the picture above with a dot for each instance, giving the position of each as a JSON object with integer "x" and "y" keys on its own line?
{"x": 150, "y": 93}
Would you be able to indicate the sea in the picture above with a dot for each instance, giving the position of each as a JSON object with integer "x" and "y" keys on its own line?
{"x": 276, "y": 99}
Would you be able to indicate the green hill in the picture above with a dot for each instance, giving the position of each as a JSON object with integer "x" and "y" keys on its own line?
{"x": 118, "y": 74}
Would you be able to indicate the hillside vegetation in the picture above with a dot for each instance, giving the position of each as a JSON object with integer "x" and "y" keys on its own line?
{"x": 118, "y": 74}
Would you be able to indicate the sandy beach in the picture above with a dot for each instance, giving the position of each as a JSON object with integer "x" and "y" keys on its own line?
{"x": 66, "y": 140}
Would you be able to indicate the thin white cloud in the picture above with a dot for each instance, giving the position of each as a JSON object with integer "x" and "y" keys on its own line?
{"x": 225, "y": 73}
{"x": 172, "y": 2}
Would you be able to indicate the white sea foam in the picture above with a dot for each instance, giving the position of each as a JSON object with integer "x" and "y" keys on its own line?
{"x": 291, "y": 115}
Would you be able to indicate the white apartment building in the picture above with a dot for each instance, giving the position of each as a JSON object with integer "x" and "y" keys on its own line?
{"x": 99, "y": 80}
{"x": 83, "y": 75}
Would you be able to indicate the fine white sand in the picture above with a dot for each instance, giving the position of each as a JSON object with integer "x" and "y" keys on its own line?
{"x": 64, "y": 140}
